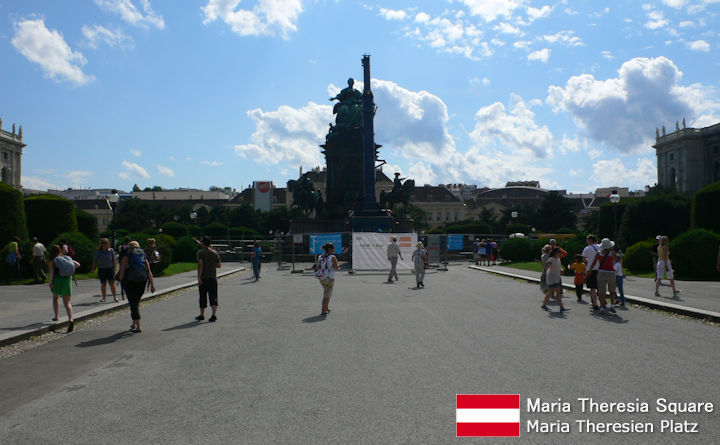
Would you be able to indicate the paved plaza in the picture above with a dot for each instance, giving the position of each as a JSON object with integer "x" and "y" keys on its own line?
{"x": 384, "y": 367}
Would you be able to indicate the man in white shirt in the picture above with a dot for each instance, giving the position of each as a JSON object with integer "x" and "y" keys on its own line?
{"x": 589, "y": 253}
{"x": 393, "y": 252}
{"x": 38, "y": 252}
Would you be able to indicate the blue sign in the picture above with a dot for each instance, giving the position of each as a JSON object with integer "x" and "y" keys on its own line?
{"x": 317, "y": 241}
{"x": 455, "y": 242}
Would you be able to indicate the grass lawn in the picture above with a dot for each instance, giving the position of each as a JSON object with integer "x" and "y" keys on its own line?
{"x": 533, "y": 266}
{"x": 172, "y": 269}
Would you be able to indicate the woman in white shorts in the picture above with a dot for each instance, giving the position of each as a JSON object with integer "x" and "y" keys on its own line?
{"x": 664, "y": 266}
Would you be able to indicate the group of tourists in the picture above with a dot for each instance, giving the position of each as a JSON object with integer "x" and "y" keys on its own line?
{"x": 485, "y": 252}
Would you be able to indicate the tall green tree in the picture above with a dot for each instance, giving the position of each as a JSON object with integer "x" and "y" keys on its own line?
{"x": 555, "y": 211}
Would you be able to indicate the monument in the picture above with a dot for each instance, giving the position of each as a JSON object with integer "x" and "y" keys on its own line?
{"x": 351, "y": 156}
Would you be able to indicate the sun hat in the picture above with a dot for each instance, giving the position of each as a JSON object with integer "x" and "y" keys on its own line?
{"x": 419, "y": 245}
{"x": 658, "y": 237}
{"x": 606, "y": 244}
{"x": 552, "y": 241}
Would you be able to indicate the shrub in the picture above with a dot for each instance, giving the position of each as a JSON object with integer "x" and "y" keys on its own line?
{"x": 537, "y": 246}
{"x": 87, "y": 225}
{"x": 705, "y": 209}
{"x": 165, "y": 246}
{"x": 195, "y": 230}
{"x": 50, "y": 215}
{"x": 694, "y": 255}
{"x": 82, "y": 245}
{"x": 610, "y": 216}
{"x": 242, "y": 232}
{"x": 517, "y": 228}
{"x": 565, "y": 230}
{"x": 661, "y": 214}
{"x": 573, "y": 246}
{"x": 12, "y": 215}
{"x": 175, "y": 229}
{"x": 216, "y": 230}
{"x": 517, "y": 249}
{"x": 475, "y": 227}
{"x": 185, "y": 250}
{"x": 637, "y": 257}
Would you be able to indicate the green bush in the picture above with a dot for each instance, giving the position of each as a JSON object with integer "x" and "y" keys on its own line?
{"x": 517, "y": 228}
{"x": 565, "y": 230}
{"x": 694, "y": 255}
{"x": 637, "y": 257}
{"x": 25, "y": 248}
{"x": 185, "y": 250}
{"x": 517, "y": 249}
{"x": 50, "y": 215}
{"x": 216, "y": 230}
{"x": 87, "y": 225}
{"x": 574, "y": 246}
{"x": 537, "y": 246}
{"x": 12, "y": 215}
{"x": 175, "y": 229}
{"x": 195, "y": 230}
{"x": 242, "y": 232}
{"x": 609, "y": 221}
{"x": 705, "y": 208}
{"x": 652, "y": 215}
{"x": 475, "y": 227}
{"x": 82, "y": 245}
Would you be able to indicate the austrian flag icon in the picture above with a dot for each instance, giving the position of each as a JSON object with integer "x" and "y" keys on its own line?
{"x": 488, "y": 415}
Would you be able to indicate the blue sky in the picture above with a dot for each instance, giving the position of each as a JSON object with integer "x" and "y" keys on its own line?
{"x": 223, "y": 92}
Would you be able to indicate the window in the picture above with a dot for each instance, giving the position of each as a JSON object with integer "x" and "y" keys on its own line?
{"x": 672, "y": 156}
{"x": 5, "y": 155}
{"x": 439, "y": 216}
{"x": 3, "y": 175}
{"x": 457, "y": 215}
{"x": 429, "y": 216}
{"x": 447, "y": 216}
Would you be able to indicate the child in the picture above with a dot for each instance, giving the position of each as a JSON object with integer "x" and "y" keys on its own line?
{"x": 619, "y": 275}
{"x": 554, "y": 281}
{"x": 578, "y": 266}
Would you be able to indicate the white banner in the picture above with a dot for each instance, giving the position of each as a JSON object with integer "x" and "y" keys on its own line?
{"x": 369, "y": 250}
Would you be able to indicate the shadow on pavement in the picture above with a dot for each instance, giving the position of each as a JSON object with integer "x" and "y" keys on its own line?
{"x": 613, "y": 318}
{"x": 104, "y": 341}
{"x": 188, "y": 325}
{"x": 315, "y": 319}
{"x": 19, "y": 328}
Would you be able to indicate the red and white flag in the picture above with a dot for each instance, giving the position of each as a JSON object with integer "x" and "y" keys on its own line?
{"x": 488, "y": 415}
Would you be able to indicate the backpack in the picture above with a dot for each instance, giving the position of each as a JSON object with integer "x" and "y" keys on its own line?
{"x": 136, "y": 271}
{"x": 322, "y": 267}
{"x": 65, "y": 265}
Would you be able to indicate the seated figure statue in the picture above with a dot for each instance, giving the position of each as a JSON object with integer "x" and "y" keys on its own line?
{"x": 349, "y": 107}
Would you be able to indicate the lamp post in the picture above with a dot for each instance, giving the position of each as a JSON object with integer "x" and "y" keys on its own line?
{"x": 614, "y": 199}
{"x": 113, "y": 199}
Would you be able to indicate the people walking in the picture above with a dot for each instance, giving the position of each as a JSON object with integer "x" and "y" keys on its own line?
{"x": 256, "y": 260}
{"x": 620, "y": 276}
{"x": 544, "y": 255}
{"x": 325, "y": 268}
{"x": 135, "y": 273}
{"x": 153, "y": 255}
{"x": 208, "y": 264}
{"x": 553, "y": 278}
{"x": 606, "y": 282}
{"x": 106, "y": 262}
{"x": 589, "y": 253}
{"x": 61, "y": 268}
{"x": 393, "y": 252}
{"x": 664, "y": 266}
{"x": 420, "y": 259}
{"x": 578, "y": 267}
{"x": 122, "y": 252}
{"x": 14, "y": 257}
{"x": 38, "y": 262}
{"x": 476, "y": 250}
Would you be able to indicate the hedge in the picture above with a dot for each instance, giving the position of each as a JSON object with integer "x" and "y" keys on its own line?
{"x": 195, "y": 230}
{"x": 517, "y": 228}
{"x": 185, "y": 250}
{"x": 87, "y": 224}
{"x": 165, "y": 246}
{"x": 82, "y": 245}
{"x": 216, "y": 230}
{"x": 705, "y": 209}
{"x": 242, "y": 232}
{"x": 661, "y": 214}
{"x": 517, "y": 249}
{"x": 694, "y": 255}
{"x": 50, "y": 215}
{"x": 175, "y": 229}
{"x": 637, "y": 257}
{"x": 475, "y": 227}
{"x": 12, "y": 215}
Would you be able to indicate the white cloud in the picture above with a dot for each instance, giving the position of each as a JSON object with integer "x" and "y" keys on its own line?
{"x": 687, "y": 24}
{"x": 133, "y": 169}
{"x": 538, "y": 13}
{"x": 476, "y": 81}
{"x": 392, "y": 14}
{"x": 656, "y": 20}
{"x": 490, "y": 10}
{"x": 614, "y": 171}
{"x": 567, "y": 38}
{"x": 422, "y": 17}
{"x": 515, "y": 129}
{"x": 99, "y": 34}
{"x": 267, "y": 17}
{"x": 135, "y": 152}
{"x": 32, "y": 182}
{"x": 623, "y": 111}
{"x": 677, "y": 4}
{"x": 48, "y": 49}
{"x": 699, "y": 45}
{"x": 542, "y": 55}
{"x": 212, "y": 163}
{"x": 130, "y": 13}
{"x": 506, "y": 28}
{"x": 165, "y": 171}
{"x": 607, "y": 55}
{"x": 522, "y": 44}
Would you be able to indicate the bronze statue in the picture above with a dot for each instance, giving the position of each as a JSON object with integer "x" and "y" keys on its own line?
{"x": 400, "y": 194}
{"x": 349, "y": 107}
{"x": 305, "y": 197}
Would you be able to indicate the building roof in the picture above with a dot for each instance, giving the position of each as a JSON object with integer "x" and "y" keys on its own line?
{"x": 93, "y": 204}
{"x": 430, "y": 193}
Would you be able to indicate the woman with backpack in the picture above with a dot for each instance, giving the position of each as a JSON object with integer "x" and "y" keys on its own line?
{"x": 62, "y": 268}
{"x": 325, "y": 269}
{"x": 105, "y": 262}
{"x": 134, "y": 274}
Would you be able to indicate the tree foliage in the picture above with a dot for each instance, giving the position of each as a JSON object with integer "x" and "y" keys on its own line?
{"x": 87, "y": 225}
{"x": 649, "y": 216}
{"x": 694, "y": 255}
{"x": 12, "y": 215}
{"x": 705, "y": 208}
{"x": 50, "y": 215}
{"x": 555, "y": 211}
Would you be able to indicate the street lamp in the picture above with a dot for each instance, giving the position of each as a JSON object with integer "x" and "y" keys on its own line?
{"x": 113, "y": 199}
{"x": 614, "y": 199}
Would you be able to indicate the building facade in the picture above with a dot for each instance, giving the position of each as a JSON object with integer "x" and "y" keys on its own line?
{"x": 688, "y": 158}
{"x": 11, "y": 147}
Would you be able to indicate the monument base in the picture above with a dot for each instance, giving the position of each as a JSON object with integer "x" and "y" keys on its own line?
{"x": 302, "y": 225}
{"x": 372, "y": 223}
